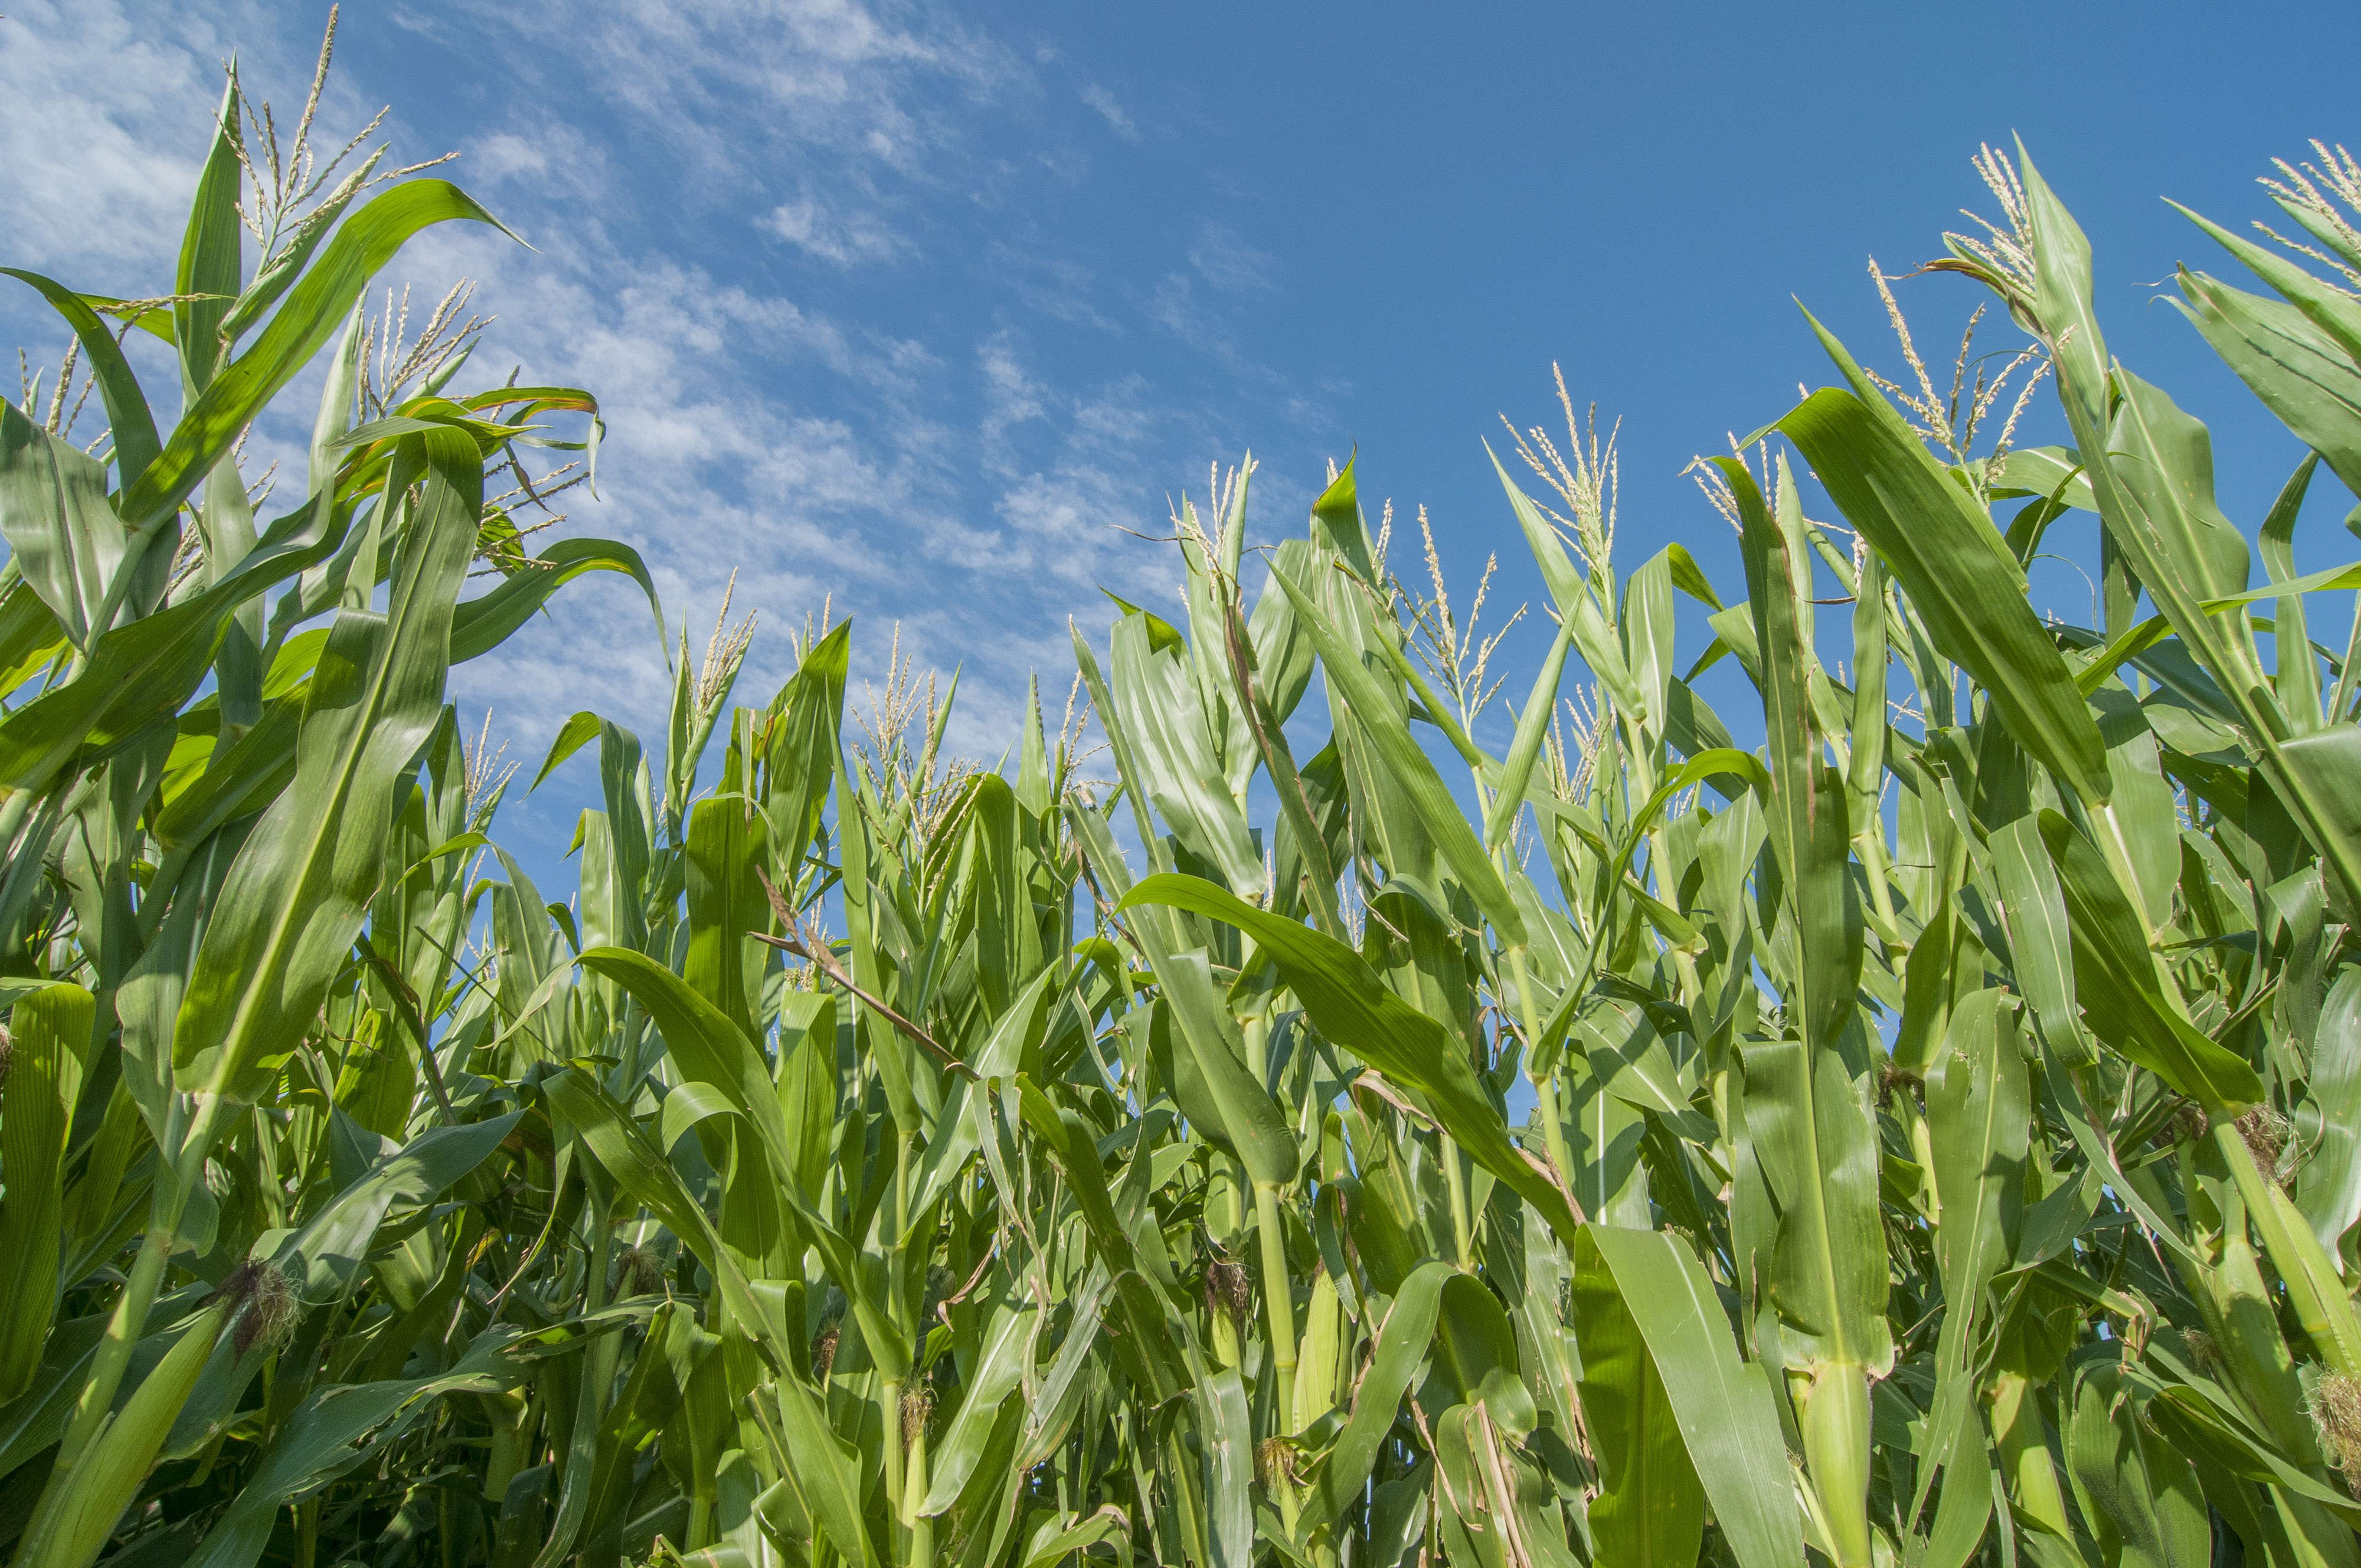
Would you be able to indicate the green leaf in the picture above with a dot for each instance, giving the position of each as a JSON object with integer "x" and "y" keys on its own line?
{"x": 313, "y": 311}
{"x": 1978, "y": 1119}
{"x": 1651, "y": 1508}
{"x": 300, "y": 892}
{"x": 1401, "y": 1343}
{"x": 1301, "y": 860}
{"x": 1248, "y": 1118}
{"x": 641, "y": 1169}
{"x": 2303, "y": 374}
{"x": 44, "y": 1072}
{"x": 804, "y": 748}
{"x": 2062, "y": 304}
{"x": 77, "y": 1517}
{"x": 325, "y": 1255}
{"x": 1004, "y": 1357}
{"x": 2043, "y": 471}
{"x": 2327, "y": 306}
{"x": 705, "y": 1046}
{"x": 1955, "y": 569}
{"x": 2328, "y": 1184}
{"x": 1689, "y": 577}
{"x": 212, "y": 250}
{"x": 572, "y": 736}
{"x": 1829, "y": 1270}
{"x": 485, "y": 622}
{"x": 2139, "y": 1495}
{"x": 2117, "y": 987}
{"x": 823, "y": 1469}
{"x": 335, "y": 1428}
{"x": 31, "y": 639}
{"x": 2164, "y": 459}
{"x": 726, "y": 844}
{"x": 966, "y": 1119}
{"x": 2321, "y": 769}
{"x": 1533, "y": 720}
{"x": 1807, "y": 803}
{"x": 1226, "y": 1448}
{"x": 60, "y": 526}
{"x": 1564, "y": 579}
{"x": 1722, "y": 1405}
{"x": 2041, "y": 947}
{"x": 1390, "y": 738}
{"x": 1348, "y": 1005}
{"x": 127, "y": 417}
{"x": 1172, "y": 744}
{"x": 1337, "y": 522}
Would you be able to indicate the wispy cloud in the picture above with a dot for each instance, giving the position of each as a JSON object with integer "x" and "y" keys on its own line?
{"x": 107, "y": 105}
{"x": 1228, "y": 263}
{"x": 1011, "y": 396}
{"x": 1048, "y": 283}
{"x": 847, "y": 234}
{"x": 724, "y": 83}
{"x": 809, "y": 409}
{"x": 1200, "y": 304}
{"x": 1111, "y": 110}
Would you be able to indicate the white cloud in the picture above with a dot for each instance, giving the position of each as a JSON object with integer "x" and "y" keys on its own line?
{"x": 834, "y": 234}
{"x": 1105, "y": 103}
{"x": 107, "y": 109}
{"x": 1228, "y": 263}
{"x": 1174, "y": 306}
{"x": 1011, "y": 396}
{"x": 766, "y": 413}
{"x": 1047, "y": 284}
{"x": 724, "y": 81}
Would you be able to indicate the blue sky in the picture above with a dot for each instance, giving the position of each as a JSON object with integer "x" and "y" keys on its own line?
{"x": 922, "y": 306}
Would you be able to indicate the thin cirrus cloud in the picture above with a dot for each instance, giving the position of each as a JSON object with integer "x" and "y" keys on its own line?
{"x": 1112, "y": 110}
{"x": 849, "y": 236}
{"x": 811, "y": 257}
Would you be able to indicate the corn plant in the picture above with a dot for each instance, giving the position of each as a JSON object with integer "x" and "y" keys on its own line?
{"x": 1292, "y": 1129}
{"x": 213, "y": 799}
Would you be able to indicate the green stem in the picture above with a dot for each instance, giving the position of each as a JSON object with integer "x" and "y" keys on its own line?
{"x": 1455, "y": 1181}
{"x": 1545, "y": 1085}
{"x": 921, "y": 1550}
{"x": 131, "y": 1309}
{"x": 1554, "y": 1129}
{"x": 901, "y": 1182}
{"x": 1833, "y": 1411}
{"x": 1278, "y": 1303}
{"x": 893, "y": 1390}
{"x": 509, "y": 1414}
{"x": 123, "y": 1331}
{"x": 2313, "y": 1291}
{"x": 1871, "y": 842}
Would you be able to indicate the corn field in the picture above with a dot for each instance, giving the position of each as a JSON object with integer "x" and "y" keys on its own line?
{"x": 1930, "y": 1137}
